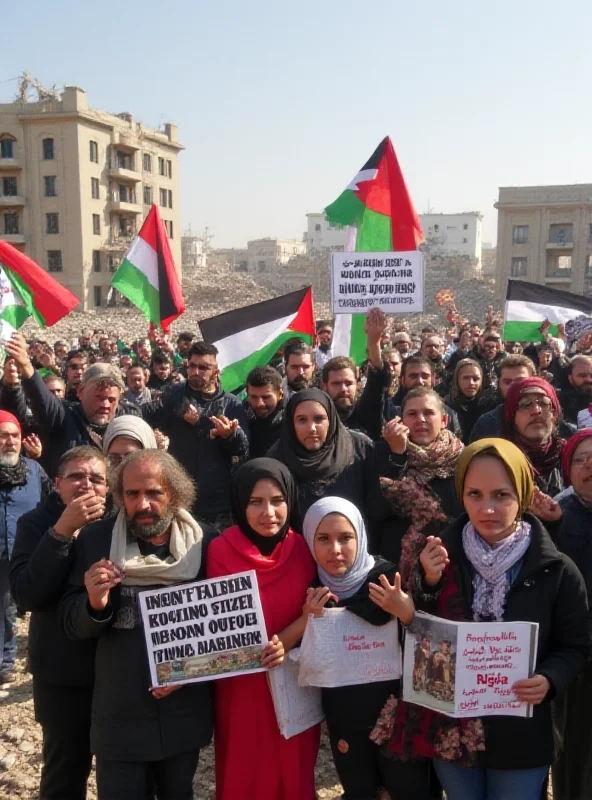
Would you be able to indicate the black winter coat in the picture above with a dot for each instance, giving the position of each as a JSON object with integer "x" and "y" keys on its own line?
{"x": 549, "y": 590}
{"x": 128, "y": 723}
{"x": 39, "y": 571}
{"x": 573, "y": 537}
{"x": 210, "y": 462}
{"x": 357, "y": 708}
{"x": 392, "y": 530}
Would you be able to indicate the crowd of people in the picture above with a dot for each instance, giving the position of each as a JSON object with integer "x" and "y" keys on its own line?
{"x": 450, "y": 473}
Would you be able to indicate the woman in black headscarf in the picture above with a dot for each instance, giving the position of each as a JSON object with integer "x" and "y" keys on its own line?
{"x": 326, "y": 458}
{"x": 465, "y": 393}
{"x": 252, "y": 758}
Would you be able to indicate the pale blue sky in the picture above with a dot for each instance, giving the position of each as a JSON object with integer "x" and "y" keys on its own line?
{"x": 279, "y": 103}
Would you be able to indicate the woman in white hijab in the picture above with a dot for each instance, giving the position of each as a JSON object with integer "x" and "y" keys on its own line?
{"x": 125, "y": 435}
{"x": 370, "y": 587}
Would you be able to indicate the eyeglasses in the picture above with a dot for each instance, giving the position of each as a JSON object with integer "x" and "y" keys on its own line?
{"x": 581, "y": 461}
{"x": 78, "y": 477}
{"x": 526, "y": 403}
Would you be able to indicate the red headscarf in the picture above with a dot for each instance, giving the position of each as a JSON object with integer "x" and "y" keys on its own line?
{"x": 6, "y": 416}
{"x": 568, "y": 451}
{"x": 544, "y": 458}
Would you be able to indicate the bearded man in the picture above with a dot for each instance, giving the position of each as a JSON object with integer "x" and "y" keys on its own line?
{"x": 139, "y": 734}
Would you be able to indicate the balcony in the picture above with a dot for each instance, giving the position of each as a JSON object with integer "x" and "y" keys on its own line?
{"x": 9, "y": 164}
{"x": 124, "y": 206}
{"x": 12, "y": 201}
{"x": 13, "y": 238}
{"x": 560, "y": 244}
{"x": 119, "y": 242}
{"x": 123, "y": 174}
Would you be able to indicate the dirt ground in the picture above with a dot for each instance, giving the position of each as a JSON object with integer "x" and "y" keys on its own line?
{"x": 20, "y": 746}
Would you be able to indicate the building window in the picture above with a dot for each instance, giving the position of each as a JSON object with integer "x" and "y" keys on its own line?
{"x": 169, "y": 227}
{"x": 518, "y": 268}
{"x": 94, "y": 188}
{"x": 317, "y": 227}
{"x": 11, "y": 223}
{"x": 54, "y": 261}
{"x": 50, "y": 185}
{"x": 465, "y": 241}
{"x": 94, "y": 152}
{"x": 7, "y": 148}
{"x": 48, "y": 152}
{"x": 161, "y": 166}
{"x": 170, "y": 193}
{"x": 465, "y": 227}
{"x": 98, "y": 296}
{"x": 147, "y": 162}
{"x": 9, "y": 187}
{"x": 147, "y": 195}
{"x": 561, "y": 234}
{"x": 169, "y": 169}
{"x": 52, "y": 223}
{"x": 123, "y": 194}
{"x": 163, "y": 198}
{"x": 558, "y": 266}
{"x": 96, "y": 224}
{"x": 112, "y": 264}
{"x": 124, "y": 160}
{"x": 590, "y": 232}
{"x": 436, "y": 228}
{"x": 96, "y": 260}
{"x": 589, "y": 265}
{"x": 520, "y": 234}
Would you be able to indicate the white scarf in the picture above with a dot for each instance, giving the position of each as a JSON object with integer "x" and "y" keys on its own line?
{"x": 182, "y": 564}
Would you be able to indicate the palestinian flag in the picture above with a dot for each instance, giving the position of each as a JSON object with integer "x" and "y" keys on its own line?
{"x": 380, "y": 217}
{"x": 528, "y": 305}
{"x": 250, "y": 337}
{"x": 147, "y": 274}
{"x": 27, "y": 290}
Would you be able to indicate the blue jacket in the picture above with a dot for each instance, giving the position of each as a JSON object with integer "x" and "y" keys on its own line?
{"x": 17, "y": 500}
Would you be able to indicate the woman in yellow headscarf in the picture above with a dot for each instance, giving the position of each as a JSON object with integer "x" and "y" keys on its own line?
{"x": 497, "y": 562}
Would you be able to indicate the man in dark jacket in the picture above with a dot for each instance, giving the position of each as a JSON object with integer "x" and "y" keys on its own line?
{"x": 139, "y": 733}
{"x": 264, "y": 407}
{"x": 74, "y": 369}
{"x": 23, "y": 483}
{"x": 63, "y": 670}
{"x": 63, "y": 425}
{"x": 208, "y": 431}
{"x": 512, "y": 369}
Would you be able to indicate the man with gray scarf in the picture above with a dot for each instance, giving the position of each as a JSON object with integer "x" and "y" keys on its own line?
{"x": 139, "y": 734}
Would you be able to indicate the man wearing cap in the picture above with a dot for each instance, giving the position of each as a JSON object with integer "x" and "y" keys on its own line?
{"x": 64, "y": 425}
{"x": 23, "y": 483}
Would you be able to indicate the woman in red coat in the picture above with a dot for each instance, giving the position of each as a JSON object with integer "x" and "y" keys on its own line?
{"x": 253, "y": 760}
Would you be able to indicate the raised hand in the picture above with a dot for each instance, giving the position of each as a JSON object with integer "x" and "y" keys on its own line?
{"x": 223, "y": 427}
{"x": 433, "y": 558}
{"x": 33, "y": 446}
{"x": 316, "y": 600}
{"x": 272, "y": 654}
{"x": 191, "y": 415}
{"x": 396, "y": 435}
{"x": 11, "y": 374}
{"x": 99, "y": 580}
{"x": 16, "y": 347}
{"x": 392, "y": 599}
{"x": 376, "y": 324}
{"x": 544, "y": 507}
{"x": 78, "y": 513}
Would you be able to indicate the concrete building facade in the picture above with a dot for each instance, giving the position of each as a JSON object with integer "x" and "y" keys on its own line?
{"x": 449, "y": 235}
{"x": 544, "y": 235}
{"x": 264, "y": 255}
{"x": 76, "y": 183}
{"x": 323, "y": 236}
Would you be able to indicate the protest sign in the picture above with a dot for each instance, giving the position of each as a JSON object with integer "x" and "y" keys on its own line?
{"x": 467, "y": 669}
{"x": 340, "y": 649}
{"x": 297, "y": 708}
{"x": 204, "y": 630}
{"x": 392, "y": 282}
